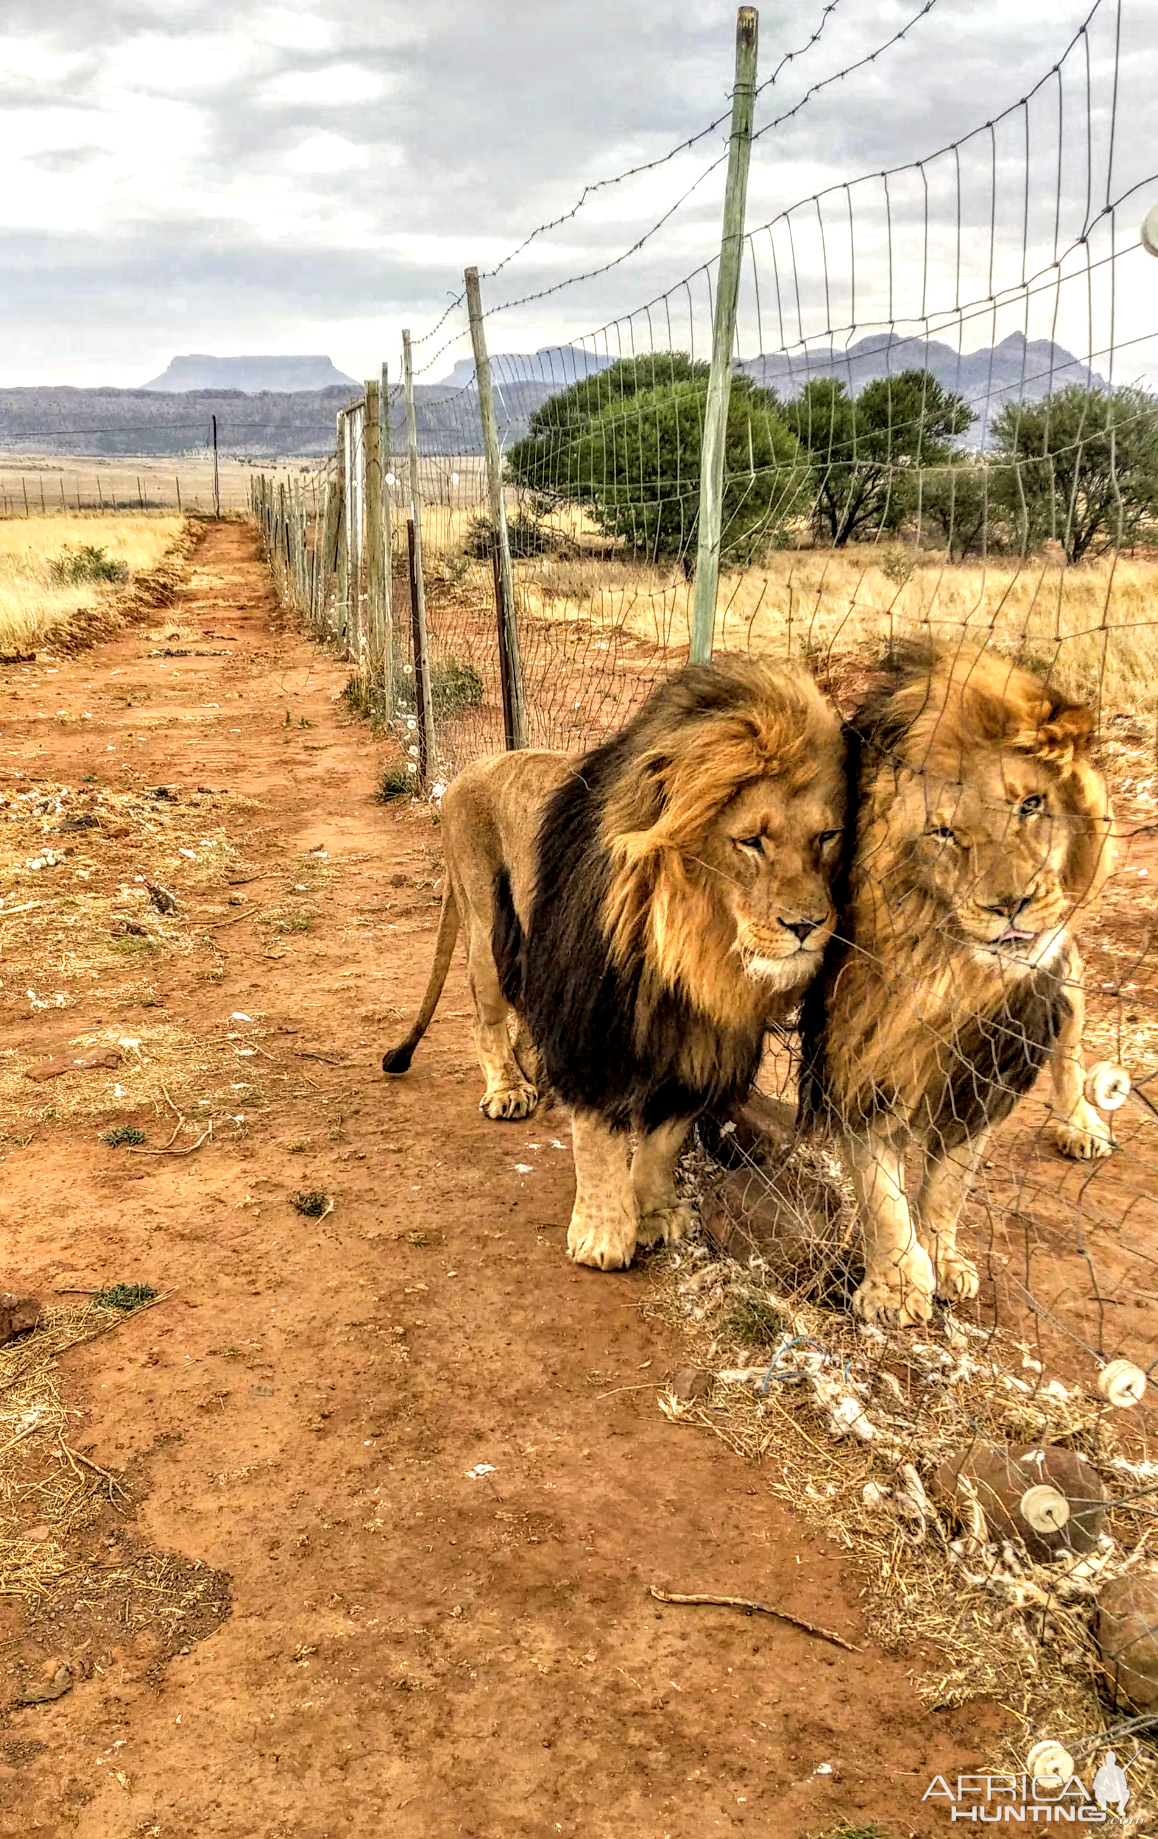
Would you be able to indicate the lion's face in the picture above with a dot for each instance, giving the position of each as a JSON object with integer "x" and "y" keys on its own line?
{"x": 774, "y": 850}
{"x": 989, "y": 853}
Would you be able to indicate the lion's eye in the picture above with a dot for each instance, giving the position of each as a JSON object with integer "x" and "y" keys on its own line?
{"x": 828, "y": 836}
{"x": 1027, "y": 807}
{"x": 943, "y": 833}
{"x": 750, "y": 842}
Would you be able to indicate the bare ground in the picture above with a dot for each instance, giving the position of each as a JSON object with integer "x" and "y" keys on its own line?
{"x": 307, "y": 1616}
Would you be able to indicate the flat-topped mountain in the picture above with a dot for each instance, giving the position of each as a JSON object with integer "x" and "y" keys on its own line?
{"x": 283, "y": 376}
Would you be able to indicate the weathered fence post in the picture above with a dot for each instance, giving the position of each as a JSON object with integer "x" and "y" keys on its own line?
{"x": 423, "y": 704}
{"x": 723, "y": 340}
{"x": 510, "y": 662}
{"x": 341, "y": 591}
{"x": 417, "y": 645}
{"x": 387, "y": 546}
{"x": 216, "y": 477}
{"x": 375, "y": 556}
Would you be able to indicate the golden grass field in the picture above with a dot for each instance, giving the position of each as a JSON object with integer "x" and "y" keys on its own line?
{"x": 34, "y": 606}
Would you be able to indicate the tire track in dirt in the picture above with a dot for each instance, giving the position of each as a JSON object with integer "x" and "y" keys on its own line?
{"x": 412, "y": 1649}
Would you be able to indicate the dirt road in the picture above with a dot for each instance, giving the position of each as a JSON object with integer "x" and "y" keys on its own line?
{"x": 402, "y": 1466}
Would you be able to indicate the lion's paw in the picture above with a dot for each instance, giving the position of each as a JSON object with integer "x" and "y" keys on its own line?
{"x": 603, "y": 1237}
{"x": 956, "y": 1277}
{"x": 507, "y": 1102}
{"x": 667, "y": 1225}
{"x": 900, "y": 1293}
{"x": 1084, "y": 1135}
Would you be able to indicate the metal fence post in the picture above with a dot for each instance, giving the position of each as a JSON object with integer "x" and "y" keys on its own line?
{"x": 723, "y": 340}
{"x": 510, "y": 662}
{"x": 423, "y": 705}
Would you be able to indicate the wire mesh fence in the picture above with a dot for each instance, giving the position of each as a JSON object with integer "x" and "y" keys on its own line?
{"x": 940, "y": 444}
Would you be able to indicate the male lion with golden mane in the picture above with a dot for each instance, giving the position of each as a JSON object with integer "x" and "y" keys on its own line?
{"x": 978, "y": 827}
{"x": 647, "y": 910}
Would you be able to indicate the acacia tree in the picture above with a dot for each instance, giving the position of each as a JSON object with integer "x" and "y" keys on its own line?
{"x": 630, "y": 453}
{"x": 1081, "y": 467}
{"x": 965, "y": 503}
{"x": 863, "y": 449}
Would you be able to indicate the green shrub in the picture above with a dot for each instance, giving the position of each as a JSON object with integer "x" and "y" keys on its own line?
{"x": 126, "y": 1296}
{"x": 87, "y": 563}
{"x": 123, "y": 1133}
{"x": 396, "y": 782}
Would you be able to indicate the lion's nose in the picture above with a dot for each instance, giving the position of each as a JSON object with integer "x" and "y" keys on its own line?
{"x": 801, "y": 927}
{"x": 1011, "y": 906}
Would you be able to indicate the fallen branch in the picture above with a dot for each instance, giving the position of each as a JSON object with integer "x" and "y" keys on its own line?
{"x": 765, "y": 1609}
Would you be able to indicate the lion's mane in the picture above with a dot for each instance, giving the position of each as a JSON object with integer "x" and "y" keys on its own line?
{"x": 628, "y": 973}
{"x": 902, "y": 1022}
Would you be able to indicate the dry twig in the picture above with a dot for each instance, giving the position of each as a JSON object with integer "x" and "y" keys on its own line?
{"x": 765, "y": 1609}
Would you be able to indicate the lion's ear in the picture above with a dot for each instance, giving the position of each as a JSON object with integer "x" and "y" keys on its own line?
{"x": 1064, "y": 732}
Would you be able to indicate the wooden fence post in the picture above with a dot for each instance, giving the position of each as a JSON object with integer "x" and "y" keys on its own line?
{"x": 342, "y": 587}
{"x": 423, "y": 704}
{"x": 375, "y": 558}
{"x": 723, "y": 341}
{"x": 510, "y": 661}
{"x": 387, "y": 546}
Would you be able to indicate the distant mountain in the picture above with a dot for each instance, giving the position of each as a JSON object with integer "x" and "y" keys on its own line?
{"x": 274, "y": 422}
{"x": 282, "y": 376}
{"x": 557, "y": 365}
{"x": 1018, "y": 369}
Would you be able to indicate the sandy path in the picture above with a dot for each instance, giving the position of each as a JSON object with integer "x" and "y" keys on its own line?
{"x": 394, "y": 1646}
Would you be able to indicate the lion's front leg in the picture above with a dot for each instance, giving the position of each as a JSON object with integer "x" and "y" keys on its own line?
{"x": 1078, "y": 1130}
{"x": 663, "y": 1217}
{"x": 898, "y": 1280}
{"x": 948, "y": 1178}
{"x": 605, "y": 1219}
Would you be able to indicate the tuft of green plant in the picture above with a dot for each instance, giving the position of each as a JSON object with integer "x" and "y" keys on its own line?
{"x": 756, "y": 1322}
{"x": 88, "y": 562}
{"x": 123, "y": 1133}
{"x": 455, "y": 685}
{"x": 895, "y": 565}
{"x": 131, "y": 944}
{"x": 126, "y": 1296}
{"x": 288, "y": 722}
{"x": 313, "y": 1203}
{"x": 396, "y": 782}
{"x": 294, "y": 922}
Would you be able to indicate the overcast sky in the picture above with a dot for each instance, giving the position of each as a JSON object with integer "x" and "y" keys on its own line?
{"x": 188, "y": 176}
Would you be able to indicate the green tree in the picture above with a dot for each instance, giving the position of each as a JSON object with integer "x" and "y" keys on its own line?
{"x": 965, "y": 504}
{"x": 863, "y": 449}
{"x": 631, "y": 455}
{"x": 1082, "y": 467}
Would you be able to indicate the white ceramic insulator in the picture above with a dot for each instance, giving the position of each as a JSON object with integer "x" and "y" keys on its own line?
{"x": 1107, "y": 1085}
{"x": 1044, "y": 1508}
{"x": 1150, "y": 230}
{"x": 1122, "y": 1383}
{"x": 1050, "y": 1763}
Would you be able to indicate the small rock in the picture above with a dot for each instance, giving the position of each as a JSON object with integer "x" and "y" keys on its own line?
{"x": 49, "y": 1689}
{"x": 1003, "y": 1476}
{"x": 690, "y": 1383}
{"x": 17, "y": 1315}
{"x": 1128, "y": 1638}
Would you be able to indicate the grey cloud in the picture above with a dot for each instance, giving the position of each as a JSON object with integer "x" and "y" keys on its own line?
{"x": 494, "y": 116}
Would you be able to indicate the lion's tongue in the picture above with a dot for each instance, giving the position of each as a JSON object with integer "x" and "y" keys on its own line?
{"x": 1012, "y": 936}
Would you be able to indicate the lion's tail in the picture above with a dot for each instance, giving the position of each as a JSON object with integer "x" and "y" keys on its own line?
{"x": 397, "y": 1059}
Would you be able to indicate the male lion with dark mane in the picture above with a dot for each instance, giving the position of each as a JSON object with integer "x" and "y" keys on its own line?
{"x": 647, "y": 911}
{"x": 978, "y": 826}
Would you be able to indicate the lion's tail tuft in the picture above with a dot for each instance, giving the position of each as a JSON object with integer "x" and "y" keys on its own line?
{"x": 397, "y": 1059}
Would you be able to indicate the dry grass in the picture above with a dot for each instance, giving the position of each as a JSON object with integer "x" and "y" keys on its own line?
{"x": 34, "y": 608}
{"x": 1095, "y": 628}
{"x": 783, "y": 1362}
